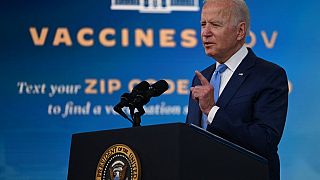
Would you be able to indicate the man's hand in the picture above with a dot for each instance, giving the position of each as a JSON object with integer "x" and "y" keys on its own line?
{"x": 203, "y": 94}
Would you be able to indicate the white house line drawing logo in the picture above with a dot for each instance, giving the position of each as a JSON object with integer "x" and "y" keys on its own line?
{"x": 155, "y": 6}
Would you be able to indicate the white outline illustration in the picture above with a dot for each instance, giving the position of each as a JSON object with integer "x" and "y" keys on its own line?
{"x": 155, "y": 6}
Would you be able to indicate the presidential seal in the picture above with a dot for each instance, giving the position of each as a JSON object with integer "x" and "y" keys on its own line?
{"x": 118, "y": 162}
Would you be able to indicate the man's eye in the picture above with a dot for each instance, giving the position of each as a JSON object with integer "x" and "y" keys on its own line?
{"x": 216, "y": 25}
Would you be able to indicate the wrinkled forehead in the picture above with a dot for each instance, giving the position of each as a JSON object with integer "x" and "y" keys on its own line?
{"x": 217, "y": 10}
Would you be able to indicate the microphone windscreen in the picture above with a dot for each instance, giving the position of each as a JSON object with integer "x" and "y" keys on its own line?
{"x": 159, "y": 87}
{"x": 143, "y": 86}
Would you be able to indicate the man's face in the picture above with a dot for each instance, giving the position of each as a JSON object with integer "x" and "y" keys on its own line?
{"x": 218, "y": 34}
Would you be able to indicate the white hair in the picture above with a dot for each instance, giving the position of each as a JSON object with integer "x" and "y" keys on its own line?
{"x": 240, "y": 12}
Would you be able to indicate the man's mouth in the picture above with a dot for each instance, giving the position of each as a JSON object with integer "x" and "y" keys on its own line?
{"x": 208, "y": 44}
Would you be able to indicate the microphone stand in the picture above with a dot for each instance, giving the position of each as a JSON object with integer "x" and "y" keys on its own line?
{"x": 136, "y": 116}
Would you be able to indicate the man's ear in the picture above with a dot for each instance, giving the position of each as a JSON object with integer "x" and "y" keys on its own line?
{"x": 241, "y": 30}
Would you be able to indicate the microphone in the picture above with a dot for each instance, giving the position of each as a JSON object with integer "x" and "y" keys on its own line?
{"x": 158, "y": 88}
{"x": 140, "y": 88}
{"x": 126, "y": 98}
{"x": 139, "y": 96}
{"x": 155, "y": 90}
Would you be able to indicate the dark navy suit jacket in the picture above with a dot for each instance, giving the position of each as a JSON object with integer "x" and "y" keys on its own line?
{"x": 253, "y": 108}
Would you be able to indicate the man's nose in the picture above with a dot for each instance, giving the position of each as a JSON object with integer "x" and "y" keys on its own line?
{"x": 206, "y": 31}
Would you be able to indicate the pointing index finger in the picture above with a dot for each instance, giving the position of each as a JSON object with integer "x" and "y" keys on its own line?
{"x": 202, "y": 79}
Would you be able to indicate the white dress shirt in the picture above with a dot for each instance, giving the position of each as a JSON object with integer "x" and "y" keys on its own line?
{"x": 232, "y": 65}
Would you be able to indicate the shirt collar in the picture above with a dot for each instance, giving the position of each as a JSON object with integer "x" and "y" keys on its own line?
{"x": 236, "y": 59}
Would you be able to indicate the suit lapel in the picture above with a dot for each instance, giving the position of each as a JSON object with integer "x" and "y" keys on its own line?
{"x": 237, "y": 79}
{"x": 208, "y": 74}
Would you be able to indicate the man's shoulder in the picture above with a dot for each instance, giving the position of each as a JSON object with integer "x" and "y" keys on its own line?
{"x": 262, "y": 63}
{"x": 265, "y": 66}
{"x": 267, "y": 71}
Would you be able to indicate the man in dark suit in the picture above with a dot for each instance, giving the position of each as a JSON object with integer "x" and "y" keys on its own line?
{"x": 241, "y": 97}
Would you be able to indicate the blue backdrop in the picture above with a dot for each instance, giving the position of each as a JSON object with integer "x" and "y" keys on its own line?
{"x": 64, "y": 64}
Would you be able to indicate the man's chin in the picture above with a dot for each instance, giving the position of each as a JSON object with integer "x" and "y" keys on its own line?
{"x": 210, "y": 52}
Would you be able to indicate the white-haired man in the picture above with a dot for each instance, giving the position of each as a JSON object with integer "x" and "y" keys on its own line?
{"x": 241, "y": 97}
